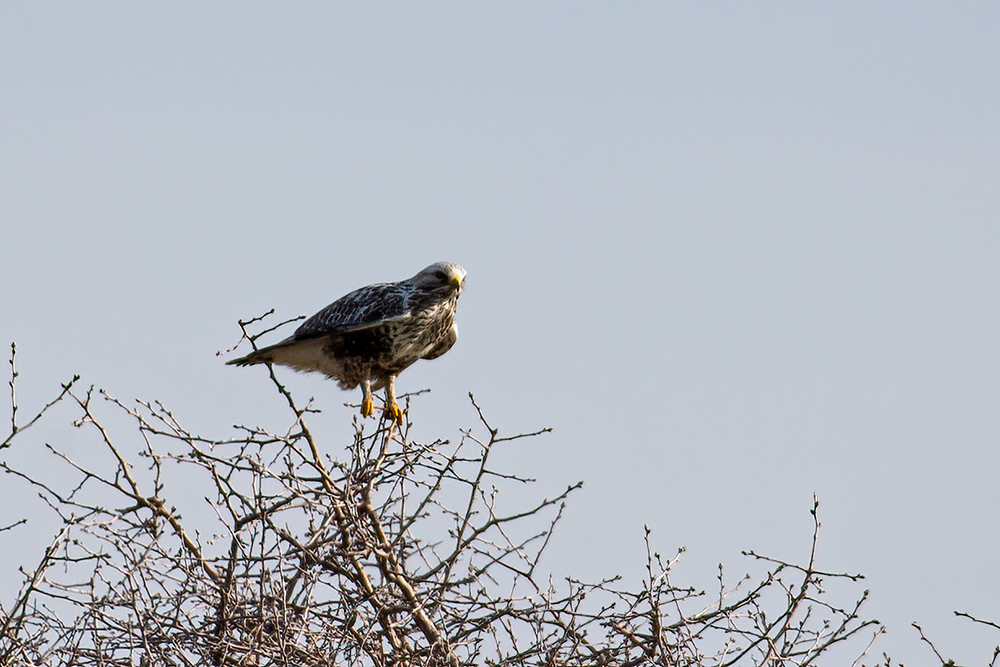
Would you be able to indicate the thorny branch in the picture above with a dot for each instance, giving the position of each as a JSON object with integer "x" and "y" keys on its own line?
{"x": 13, "y": 393}
{"x": 14, "y": 428}
{"x": 383, "y": 551}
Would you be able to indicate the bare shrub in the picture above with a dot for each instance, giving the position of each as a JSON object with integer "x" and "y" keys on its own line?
{"x": 375, "y": 550}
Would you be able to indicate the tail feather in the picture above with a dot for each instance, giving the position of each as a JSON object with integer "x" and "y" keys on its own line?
{"x": 250, "y": 359}
{"x": 264, "y": 355}
{"x": 302, "y": 355}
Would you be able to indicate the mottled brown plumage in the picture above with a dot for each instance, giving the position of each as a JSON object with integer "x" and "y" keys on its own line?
{"x": 371, "y": 335}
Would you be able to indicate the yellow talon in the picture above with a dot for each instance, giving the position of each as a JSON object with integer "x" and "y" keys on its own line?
{"x": 367, "y": 406}
{"x": 394, "y": 413}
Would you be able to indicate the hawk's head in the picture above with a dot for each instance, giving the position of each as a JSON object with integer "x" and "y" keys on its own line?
{"x": 443, "y": 277}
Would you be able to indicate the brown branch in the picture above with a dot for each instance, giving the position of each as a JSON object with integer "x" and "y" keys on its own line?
{"x": 386, "y": 552}
{"x": 20, "y": 429}
{"x": 972, "y": 618}
{"x": 13, "y": 392}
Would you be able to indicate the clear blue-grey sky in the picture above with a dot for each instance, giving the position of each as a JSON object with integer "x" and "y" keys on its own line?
{"x": 733, "y": 253}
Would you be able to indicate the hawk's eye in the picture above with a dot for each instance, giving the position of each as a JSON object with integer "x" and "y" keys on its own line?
{"x": 441, "y": 275}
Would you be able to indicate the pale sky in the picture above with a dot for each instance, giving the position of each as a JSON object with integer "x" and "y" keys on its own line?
{"x": 732, "y": 253}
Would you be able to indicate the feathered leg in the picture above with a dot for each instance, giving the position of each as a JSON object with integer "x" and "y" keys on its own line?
{"x": 367, "y": 404}
{"x": 392, "y": 410}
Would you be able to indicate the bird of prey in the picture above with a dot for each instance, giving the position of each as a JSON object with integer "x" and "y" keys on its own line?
{"x": 371, "y": 335}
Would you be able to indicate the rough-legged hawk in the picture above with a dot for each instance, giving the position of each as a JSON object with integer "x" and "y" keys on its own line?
{"x": 369, "y": 336}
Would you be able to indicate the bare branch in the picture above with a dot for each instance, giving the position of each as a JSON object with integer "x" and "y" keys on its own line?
{"x": 383, "y": 551}
{"x": 19, "y": 429}
{"x": 13, "y": 393}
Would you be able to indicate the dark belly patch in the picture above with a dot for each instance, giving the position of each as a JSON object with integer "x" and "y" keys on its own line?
{"x": 367, "y": 345}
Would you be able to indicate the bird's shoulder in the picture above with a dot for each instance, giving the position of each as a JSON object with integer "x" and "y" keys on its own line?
{"x": 365, "y": 307}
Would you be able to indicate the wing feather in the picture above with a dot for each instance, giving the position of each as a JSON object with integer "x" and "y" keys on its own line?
{"x": 361, "y": 309}
{"x": 445, "y": 344}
